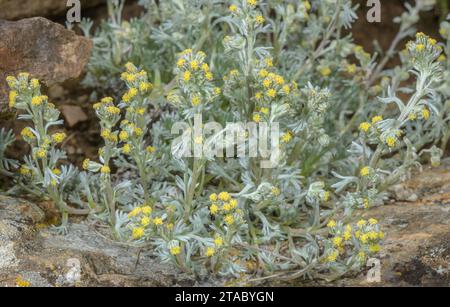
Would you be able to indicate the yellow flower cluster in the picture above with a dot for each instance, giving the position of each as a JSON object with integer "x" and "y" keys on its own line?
{"x": 27, "y": 134}
{"x": 226, "y": 206}
{"x": 360, "y": 240}
{"x": 365, "y": 171}
{"x": 192, "y": 65}
{"x": 38, "y": 100}
{"x": 59, "y": 137}
{"x": 141, "y": 220}
{"x": 21, "y": 283}
{"x": 13, "y": 98}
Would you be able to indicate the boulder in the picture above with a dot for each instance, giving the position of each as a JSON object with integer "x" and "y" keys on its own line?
{"x": 43, "y": 48}
{"x": 31, "y": 252}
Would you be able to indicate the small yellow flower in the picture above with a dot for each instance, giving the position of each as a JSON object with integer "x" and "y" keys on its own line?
{"x": 138, "y": 131}
{"x": 135, "y": 212}
{"x": 176, "y": 250}
{"x": 373, "y": 235}
{"x": 158, "y": 221}
{"x": 364, "y": 238}
{"x": 145, "y": 221}
{"x": 56, "y": 171}
{"x": 412, "y": 116}
{"x": 265, "y": 111}
{"x": 332, "y": 256}
{"x": 259, "y": 19}
{"x": 269, "y": 62}
{"x": 224, "y": 196}
{"x": 226, "y": 207}
{"x": 279, "y": 80}
{"x": 420, "y": 47}
{"x": 213, "y": 209}
{"x": 229, "y": 219}
{"x": 365, "y": 171}
{"x": 275, "y": 191}
{"x": 252, "y": 3}
{"x": 442, "y": 58}
{"x": 425, "y": 113}
{"x": 86, "y": 164}
{"x": 366, "y": 203}
{"x": 196, "y": 100}
{"x": 105, "y": 169}
{"x": 351, "y": 69}
{"x": 194, "y": 65}
{"x": 325, "y": 71}
{"x": 347, "y": 235}
{"x": 271, "y": 93}
{"x": 126, "y": 149}
{"x": 210, "y": 251}
{"x": 58, "y": 137}
{"x": 147, "y": 210}
{"x": 326, "y": 196}
{"x": 365, "y": 126}
{"x": 217, "y": 91}
{"x": 205, "y": 67}
{"x": 123, "y": 135}
{"x": 145, "y": 86}
{"x": 263, "y": 73}
{"x": 331, "y": 224}
{"x": 374, "y": 248}
{"x": 24, "y": 170}
{"x": 107, "y": 100}
{"x": 131, "y": 78}
{"x": 377, "y": 119}
{"x": 286, "y": 89}
{"x": 362, "y": 255}
{"x": 12, "y": 99}
{"x": 150, "y": 149}
{"x": 213, "y": 197}
{"x": 187, "y": 52}
{"x": 41, "y": 153}
{"x": 373, "y": 221}
{"x": 11, "y": 81}
{"x": 391, "y": 141}
{"x": 187, "y": 76}
{"x": 218, "y": 241}
{"x": 37, "y": 100}
{"x": 432, "y": 41}
{"x": 233, "y": 203}
{"x": 27, "y": 133}
{"x": 361, "y": 223}
{"x": 267, "y": 82}
{"x": 181, "y": 62}
{"x": 286, "y": 138}
{"x": 138, "y": 233}
{"x": 256, "y": 118}
{"x": 209, "y": 76}
{"x": 113, "y": 110}
{"x": 233, "y": 8}
{"x": 130, "y": 67}
{"x": 22, "y": 283}
{"x": 337, "y": 241}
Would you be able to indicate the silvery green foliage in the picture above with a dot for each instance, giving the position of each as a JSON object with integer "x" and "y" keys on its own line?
{"x": 6, "y": 139}
{"x": 347, "y": 136}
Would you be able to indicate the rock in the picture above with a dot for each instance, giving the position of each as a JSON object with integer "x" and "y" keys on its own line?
{"x": 73, "y": 115}
{"x": 13, "y": 9}
{"x": 44, "y": 49}
{"x": 31, "y": 251}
